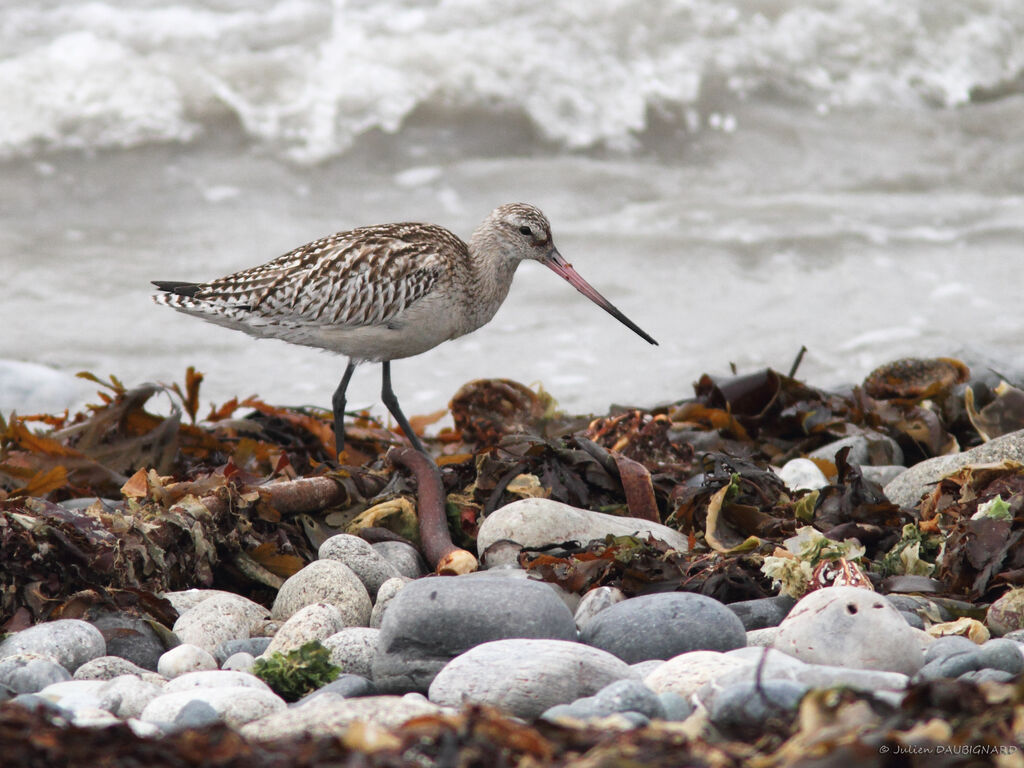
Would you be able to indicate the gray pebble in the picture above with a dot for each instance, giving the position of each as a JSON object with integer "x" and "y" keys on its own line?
{"x": 742, "y": 709}
{"x": 434, "y": 619}
{"x": 183, "y": 659}
{"x": 107, "y": 668}
{"x": 252, "y": 645}
{"x": 907, "y": 489}
{"x": 195, "y": 714}
{"x": 132, "y": 638}
{"x": 127, "y": 696}
{"x": 353, "y": 649}
{"x": 950, "y": 666}
{"x": 29, "y": 673}
{"x": 368, "y": 564}
{"x": 674, "y": 706}
{"x": 763, "y": 612}
{"x": 311, "y": 622}
{"x": 385, "y": 595}
{"x": 324, "y": 581}
{"x": 69, "y": 642}
{"x": 1002, "y": 654}
{"x": 234, "y": 705}
{"x": 219, "y": 619}
{"x": 239, "y": 662}
{"x": 345, "y": 685}
{"x": 913, "y": 619}
{"x": 526, "y": 677}
{"x": 664, "y": 625}
{"x": 629, "y": 696}
{"x": 405, "y": 558}
{"x": 950, "y": 645}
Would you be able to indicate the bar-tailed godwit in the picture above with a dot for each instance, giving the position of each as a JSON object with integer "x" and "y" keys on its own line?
{"x": 383, "y": 293}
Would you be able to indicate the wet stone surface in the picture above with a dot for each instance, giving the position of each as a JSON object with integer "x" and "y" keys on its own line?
{"x": 664, "y": 625}
{"x": 430, "y": 621}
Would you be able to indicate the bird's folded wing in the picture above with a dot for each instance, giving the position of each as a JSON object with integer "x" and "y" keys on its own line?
{"x": 359, "y": 278}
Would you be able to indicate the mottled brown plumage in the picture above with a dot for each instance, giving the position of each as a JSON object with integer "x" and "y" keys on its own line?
{"x": 381, "y": 293}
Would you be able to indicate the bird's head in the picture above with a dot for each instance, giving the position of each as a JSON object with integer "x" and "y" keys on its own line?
{"x": 519, "y": 231}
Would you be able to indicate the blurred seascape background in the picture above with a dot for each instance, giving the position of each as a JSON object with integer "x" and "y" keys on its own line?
{"x": 740, "y": 177}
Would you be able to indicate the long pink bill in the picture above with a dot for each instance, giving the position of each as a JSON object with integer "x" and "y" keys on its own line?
{"x": 561, "y": 267}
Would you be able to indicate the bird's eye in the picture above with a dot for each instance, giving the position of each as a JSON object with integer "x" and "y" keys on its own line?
{"x": 526, "y": 231}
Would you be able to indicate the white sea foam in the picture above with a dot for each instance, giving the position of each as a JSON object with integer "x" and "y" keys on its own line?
{"x": 307, "y": 77}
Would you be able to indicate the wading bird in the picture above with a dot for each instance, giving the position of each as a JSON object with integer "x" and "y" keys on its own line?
{"x": 381, "y": 293}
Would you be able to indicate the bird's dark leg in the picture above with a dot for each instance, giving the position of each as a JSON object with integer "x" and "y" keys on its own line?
{"x": 391, "y": 402}
{"x": 338, "y": 405}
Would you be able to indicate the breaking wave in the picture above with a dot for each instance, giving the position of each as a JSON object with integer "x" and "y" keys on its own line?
{"x": 305, "y": 78}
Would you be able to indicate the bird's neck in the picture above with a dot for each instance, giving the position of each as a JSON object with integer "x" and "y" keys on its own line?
{"x": 490, "y": 276}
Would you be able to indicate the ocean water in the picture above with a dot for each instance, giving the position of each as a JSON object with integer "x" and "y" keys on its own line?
{"x": 740, "y": 178}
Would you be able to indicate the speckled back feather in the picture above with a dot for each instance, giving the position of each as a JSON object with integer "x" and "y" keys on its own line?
{"x": 361, "y": 277}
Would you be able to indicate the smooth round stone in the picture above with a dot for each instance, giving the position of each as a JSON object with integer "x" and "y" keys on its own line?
{"x": 253, "y": 646}
{"x": 239, "y": 662}
{"x": 368, "y": 564}
{"x": 763, "y": 612}
{"x": 131, "y": 638}
{"x": 571, "y": 599}
{"x": 346, "y": 686}
{"x": 195, "y": 714}
{"x": 538, "y": 522}
{"x": 526, "y": 677}
{"x": 218, "y": 620}
{"x": 595, "y": 601}
{"x": 183, "y": 659}
{"x": 1002, "y": 654}
{"x": 951, "y": 666}
{"x": 127, "y": 696}
{"x": 69, "y": 642}
{"x": 215, "y": 678}
{"x": 1007, "y": 613}
{"x": 629, "y": 696}
{"x": 742, "y": 709}
{"x": 434, "y": 619}
{"x": 353, "y": 649}
{"x": 874, "y": 450}
{"x": 109, "y": 667}
{"x": 325, "y": 581}
{"x": 404, "y": 557}
{"x": 234, "y": 706}
{"x": 689, "y": 672}
{"x": 28, "y": 672}
{"x": 331, "y": 715}
{"x": 907, "y": 489}
{"x": 664, "y": 625}
{"x": 385, "y": 595}
{"x": 313, "y": 622}
{"x": 950, "y": 645}
{"x": 850, "y": 627}
{"x": 674, "y": 706}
